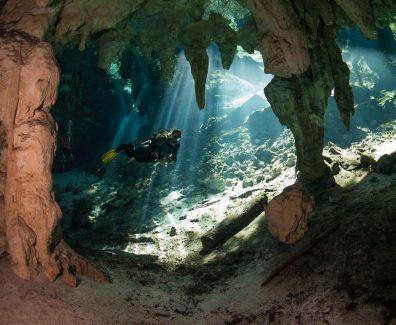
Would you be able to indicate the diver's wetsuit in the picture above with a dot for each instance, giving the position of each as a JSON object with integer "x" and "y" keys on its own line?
{"x": 155, "y": 152}
{"x": 142, "y": 154}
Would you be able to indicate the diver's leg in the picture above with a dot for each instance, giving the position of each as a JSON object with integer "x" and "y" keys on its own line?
{"x": 142, "y": 154}
{"x": 127, "y": 148}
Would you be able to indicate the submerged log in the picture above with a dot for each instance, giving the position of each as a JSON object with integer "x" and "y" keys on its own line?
{"x": 233, "y": 223}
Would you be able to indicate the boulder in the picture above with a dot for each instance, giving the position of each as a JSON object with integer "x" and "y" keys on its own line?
{"x": 215, "y": 184}
{"x": 263, "y": 154}
{"x": 288, "y": 213}
{"x": 385, "y": 164}
{"x": 367, "y": 160}
{"x": 264, "y": 124}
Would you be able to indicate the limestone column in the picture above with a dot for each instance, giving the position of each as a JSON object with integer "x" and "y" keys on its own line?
{"x": 300, "y": 104}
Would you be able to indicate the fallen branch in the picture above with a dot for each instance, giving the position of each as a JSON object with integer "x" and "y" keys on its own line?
{"x": 203, "y": 204}
{"x": 233, "y": 223}
{"x": 301, "y": 251}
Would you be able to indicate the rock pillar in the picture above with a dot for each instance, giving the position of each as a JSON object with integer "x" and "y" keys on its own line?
{"x": 300, "y": 103}
{"x": 29, "y": 214}
{"x": 29, "y": 80}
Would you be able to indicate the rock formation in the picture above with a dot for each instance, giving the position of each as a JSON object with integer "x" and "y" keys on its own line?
{"x": 29, "y": 82}
{"x": 300, "y": 102}
{"x": 288, "y": 213}
{"x": 29, "y": 214}
{"x": 283, "y": 43}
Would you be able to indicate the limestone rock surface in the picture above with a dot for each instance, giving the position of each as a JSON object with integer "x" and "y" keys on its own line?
{"x": 84, "y": 18}
{"x": 32, "y": 17}
{"x": 288, "y": 213}
{"x": 29, "y": 79}
{"x": 3, "y": 243}
{"x": 284, "y": 44}
{"x": 361, "y": 14}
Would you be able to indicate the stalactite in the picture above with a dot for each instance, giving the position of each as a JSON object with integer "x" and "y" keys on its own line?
{"x": 199, "y": 62}
{"x": 340, "y": 72}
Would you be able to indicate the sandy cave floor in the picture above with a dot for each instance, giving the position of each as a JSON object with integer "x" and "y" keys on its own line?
{"x": 348, "y": 278}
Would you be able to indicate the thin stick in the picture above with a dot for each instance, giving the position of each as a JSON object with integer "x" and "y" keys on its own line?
{"x": 304, "y": 249}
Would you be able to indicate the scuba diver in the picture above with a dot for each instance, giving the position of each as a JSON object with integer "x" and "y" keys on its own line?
{"x": 162, "y": 147}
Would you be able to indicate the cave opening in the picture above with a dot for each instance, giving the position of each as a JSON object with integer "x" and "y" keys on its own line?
{"x": 151, "y": 209}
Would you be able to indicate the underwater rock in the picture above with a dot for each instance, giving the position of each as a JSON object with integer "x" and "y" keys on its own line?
{"x": 81, "y": 210}
{"x": 3, "y": 169}
{"x": 385, "y": 164}
{"x": 367, "y": 160}
{"x": 172, "y": 232}
{"x": 291, "y": 160}
{"x": 300, "y": 103}
{"x": 195, "y": 43}
{"x": 264, "y": 125}
{"x": 247, "y": 183}
{"x": 335, "y": 168}
{"x": 288, "y": 213}
{"x": 123, "y": 197}
{"x": 215, "y": 184}
{"x": 263, "y": 154}
{"x": 72, "y": 263}
{"x": 238, "y": 115}
{"x": 232, "y": 135}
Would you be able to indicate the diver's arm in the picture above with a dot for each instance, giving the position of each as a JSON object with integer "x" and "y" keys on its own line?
{"x": 173, "y": 156}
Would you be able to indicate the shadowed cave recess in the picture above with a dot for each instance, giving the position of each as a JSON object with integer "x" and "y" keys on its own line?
{"x": 280, "y": 206}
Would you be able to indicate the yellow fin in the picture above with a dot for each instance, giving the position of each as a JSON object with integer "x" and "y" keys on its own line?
{"x": 109, "y": 156}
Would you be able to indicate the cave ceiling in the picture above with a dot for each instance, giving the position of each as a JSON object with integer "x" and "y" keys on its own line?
{"x": 283, "y": 31}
